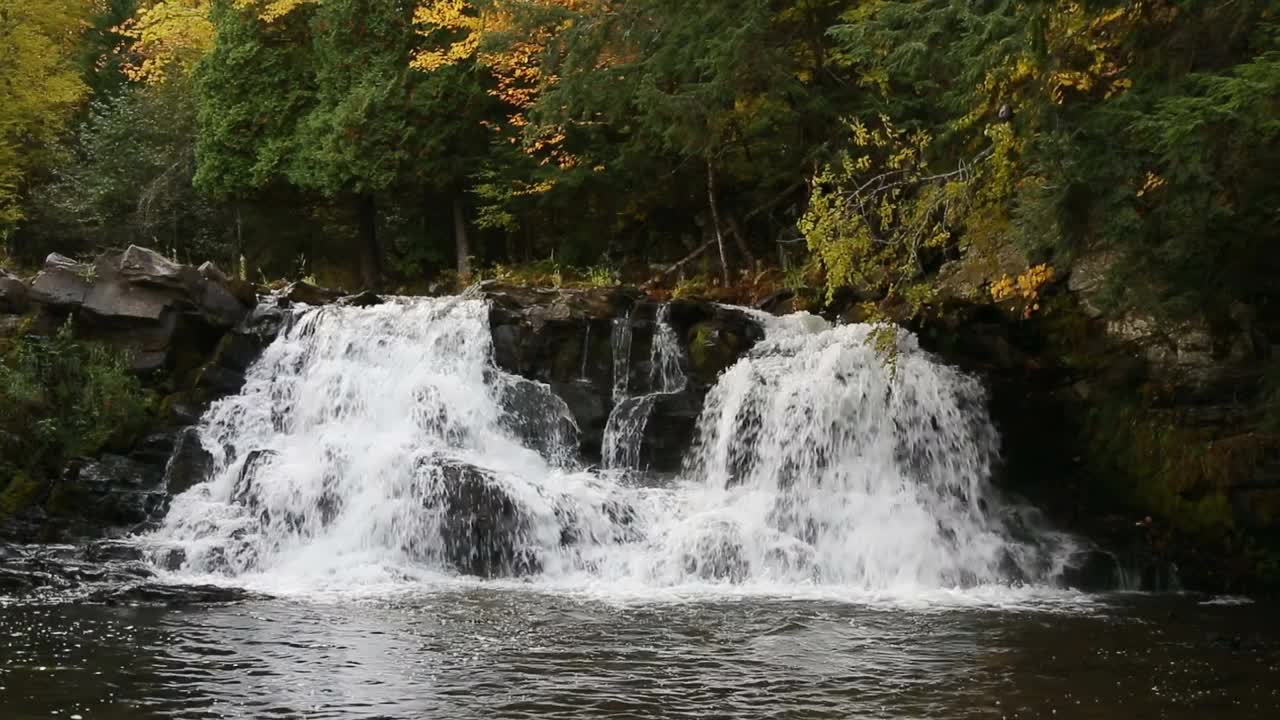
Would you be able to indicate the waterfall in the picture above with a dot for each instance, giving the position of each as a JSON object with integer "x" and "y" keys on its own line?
{"x": 374, "y": 445}
{"x": 621, "y": 338}
{"x": 624, "y": 430}
{"x": 665, "y": 373}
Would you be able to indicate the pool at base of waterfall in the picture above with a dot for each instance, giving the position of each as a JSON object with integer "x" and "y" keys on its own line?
{"x": 484, "y": 652}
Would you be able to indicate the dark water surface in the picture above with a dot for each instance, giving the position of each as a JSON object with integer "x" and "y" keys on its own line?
{"x": 499, "y": 654}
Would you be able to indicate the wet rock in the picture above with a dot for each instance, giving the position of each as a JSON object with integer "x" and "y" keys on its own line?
{"x": 779, "y": 302}
{"x": 308, "y": 294}
{"x": 367, "y": 298}
{"x": 1092, "y": 571}
{"x": 482, "y": 526}
{"x": 152, "y": 593}
{"x": 220, "y": 381}
{"x": 670, "y": 430}
{"x": 190, "y": 465}
{"x": 588, "y": 406}
{"x": 121, "y": 491}
{"x": 62, "y": 283}
{"x": 533, "y": 413}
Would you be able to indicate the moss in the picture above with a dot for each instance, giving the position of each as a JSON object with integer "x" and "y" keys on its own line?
{"x": 712, "y": 348}
{"x": 22, "y": 492}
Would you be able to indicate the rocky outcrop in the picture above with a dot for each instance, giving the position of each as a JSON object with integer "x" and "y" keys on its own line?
{"x": 161, "y": 312}
{"x": 569, "y": 339}
{"x": 1146, "y": 434}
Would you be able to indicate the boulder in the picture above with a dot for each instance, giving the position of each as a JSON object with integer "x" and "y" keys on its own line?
{"x": 535, "y": 415}
{"x": 143, "y": 266}
{"x": 62, "y": 283}
{"x": 672, "y": 425}
{"x": 190, "y": 464}
{"x": 482, "y": 528}
{"x": 111, "y": 297}
{"x": 14, "y": 294}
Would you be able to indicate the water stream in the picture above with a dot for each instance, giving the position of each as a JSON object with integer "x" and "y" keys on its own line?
{"x": 429, "y": 545}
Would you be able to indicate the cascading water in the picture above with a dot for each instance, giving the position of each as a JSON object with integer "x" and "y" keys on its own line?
{"x": 624, "y": 431}
{"x": 380, "y": 444}
{"x": 621, "y": 338}
{"x": 665, "y": 373}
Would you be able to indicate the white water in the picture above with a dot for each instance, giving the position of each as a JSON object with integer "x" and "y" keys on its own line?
{"x": 344, "y": 463}
{"x": 624, "y": 430}
{"x": 665, "y": 372}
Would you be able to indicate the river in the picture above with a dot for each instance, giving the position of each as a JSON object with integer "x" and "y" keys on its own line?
{"x": 394, "y": 527}
{"x": 483, "y": 652}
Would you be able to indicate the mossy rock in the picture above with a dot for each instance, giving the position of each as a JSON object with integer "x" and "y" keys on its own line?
{"x": 713, "y": 347}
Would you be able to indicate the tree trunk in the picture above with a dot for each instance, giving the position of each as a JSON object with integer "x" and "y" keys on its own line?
{"x": 741, "y": 239}
{"x": 370, "y": 252}
{"x": 715, "y": 220}
{"x": 460, "y": 240}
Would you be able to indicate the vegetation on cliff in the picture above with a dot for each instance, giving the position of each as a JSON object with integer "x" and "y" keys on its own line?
{"x": 63, "y": 398}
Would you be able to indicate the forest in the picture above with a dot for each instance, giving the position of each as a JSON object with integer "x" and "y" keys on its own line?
{"x": 828, "y": 144}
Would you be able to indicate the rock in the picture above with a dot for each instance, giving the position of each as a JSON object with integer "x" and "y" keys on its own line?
{"x": 112, "y": 298}
{"x": 237, "y": 351}
{"x": 367, "y": 298}
{"x": 1092, "y": 571}
{"x": 212, "y": 272}
{"x": 533, "y": 413}
{"x": 307, "y": 294}
{"x": 588, "y": 405}
{"x": 220, "y": 381}
{"x": 1088, "y": 280}
{"x": 63, "y": 283}
{"x": 219, "y": 306}
{"x": 143, "y": 266}
{"x": 190, "y": 465}
{"x": 154, "y": 593}
{"x": 672, "y": 425}
{"x": 14, "y": 295}
{"x": 263, "y": 322}
{"x": 779, "y": 302}
{"x": 122, "y": 491}
{"x": 482, "y": 527}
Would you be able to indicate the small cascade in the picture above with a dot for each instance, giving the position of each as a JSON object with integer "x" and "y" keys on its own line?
{"x": 622, "y": 333}
{"x": 375, "y": 445}
{"x": 665, "y": 372}
{"x": 586, "y": 354}
{"x": 624, "y": 432}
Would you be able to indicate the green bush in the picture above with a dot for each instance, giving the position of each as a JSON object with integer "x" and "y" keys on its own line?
{"x": 62, "y": 398}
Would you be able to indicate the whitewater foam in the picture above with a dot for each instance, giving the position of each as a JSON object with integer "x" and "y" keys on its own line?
{"x": 381, "y": 448}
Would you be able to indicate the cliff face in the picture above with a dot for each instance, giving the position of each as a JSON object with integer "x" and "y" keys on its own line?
{"x": 1148, "y": 434}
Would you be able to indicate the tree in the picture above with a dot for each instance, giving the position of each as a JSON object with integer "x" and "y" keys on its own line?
{"x": 39, "y": 88}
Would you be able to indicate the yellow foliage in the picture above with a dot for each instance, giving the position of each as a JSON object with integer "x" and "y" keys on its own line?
{"x": 169, "y": 35}
{"x": 516, "y": 66}
{"x": 39, "y": 84}
{"x": 1025, "y": 289}
{"x": 165, "y": 35}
